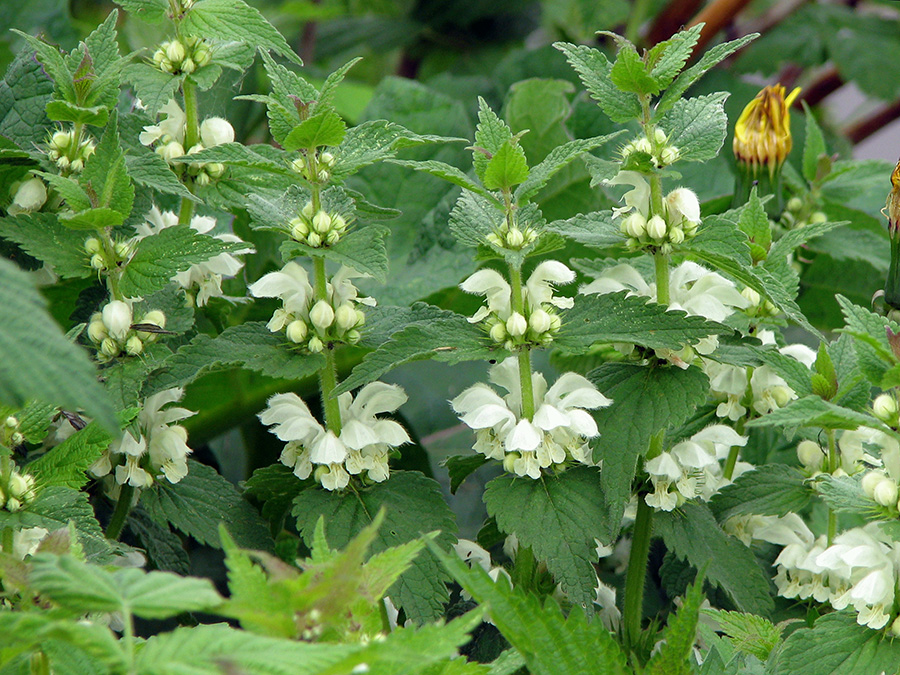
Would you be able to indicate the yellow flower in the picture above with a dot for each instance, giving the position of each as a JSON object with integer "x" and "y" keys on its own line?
{"x": 762, "y": 135}
{"x": 893, "y": 203}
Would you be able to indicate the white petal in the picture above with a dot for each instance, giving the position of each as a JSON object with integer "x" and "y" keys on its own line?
{"x": 524, "y": 437}
{"x": 548, "y": 418}
{"x": 327, "y": 449}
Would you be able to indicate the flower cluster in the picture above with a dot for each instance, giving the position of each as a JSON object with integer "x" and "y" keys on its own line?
{"x": 315, "y": 167}
{"x": 539, "y": 321}
{"x": 307, "y": 321}
{"x": 360, "y": 448}
{"x": 18, "y": 490}
{"x": 661, "y": 153}
{"x": 693, "y": 289}
{"x": 113, "y": 330}
{"x": 157, "y": 449}
{"x": 678, "y": 221}
{"x": 205, "y": 277}
{"x": 182, "y": 57}
{"x": 512, "y": 236}
{"x": 557, "y": 433}
{"x": 692, "y": 468}
{"x": 10, "y": 436}
{"x": 27, "y": 196}
{"x": 103, "y": 258}
{"x": 169, "y": 138}
{"x": 317, "y": 228}
{"x": 69, "y": 151}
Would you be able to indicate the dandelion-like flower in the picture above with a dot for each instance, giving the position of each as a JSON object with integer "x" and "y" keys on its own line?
{"x": 762, "y": 134}
{"x": 558, "y": 432}
{"x": 361, "y": 448}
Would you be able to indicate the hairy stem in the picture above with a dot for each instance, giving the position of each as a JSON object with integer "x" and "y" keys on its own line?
{"x": 518, "y": 305}
{"x": 328, "y": 374}
{"x": 733, "y": 453}
{"x": 120, "y": 515}
{"x": 833, "y": 464}
{"x": 661, "y": 261}
{"x": 191, "y": 138}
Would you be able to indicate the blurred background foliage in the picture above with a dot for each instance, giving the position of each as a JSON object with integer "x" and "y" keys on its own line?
{"x": 425, "y": 64}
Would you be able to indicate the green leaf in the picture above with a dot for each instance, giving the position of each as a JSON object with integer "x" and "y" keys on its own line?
{"x": 165, "y": 549}
{"x": 691, "y": 533}
{"x": 450, "y": 339}
{"x": 749, "y": 633}
{"x": 844, "y": 494}
{"x": 446, "y": 172}
{"x": 644, "y": 401}
{"x": 24, "y": 93}
{"x": 36, "y": 359}
{"x": 460, "y": 467}
{"x": 32, "y": 631}
{"x": 236, "y": 20}
{"x": 63, "y": 111}
{"x": 250, "y": 345}
{"x": 105, "y": 177}
{"x": 618, "y": 317}
{"x": 813, "y": 146}
{"x": 812, "y": 411}
{"x": 679, "y": 637}
{"x": 697, "y": 126}
{"x": 754, "y": 222}
{"x": 324, "y": 128}
{"x": 329, "y": 87}
{"x": 595, "y": 229}
{"x": 797, "y": 375}
{"x": 41, "y": 236}
{"x": 768, "y": 490}
{"x": 507, "y": 168}
{"x": 151, "y": 11}
{"x": 81, "y": 588}
{"x": 238, "y": 154}
{"x": 413, "y": 506}
{"x": 550, "y": 643}
{"x": 868, "y": 327}
{"x": 202, "y": 500}
{"x": 785, "y": 246}
{"x": 54, "y": 65}
{"x": 629, "y": 73}
{"x": 152, "y": 171}
{"x": 490, "y": 135}
{"x": 559, "y": 517}
{"x": 154, "y": 87}
{"x": 92, "y": 219}
{"x": 363, "y": 249}
{"x": 709, "y": 59}
{"x": 841, "y": 647}
{"x": 275, "y": 486}
{"x": 69, "y": 189}
{"x": 67, "y": 463}
{"x": 666, "y": 59}
{"x": 555, "y": 161}
{"x": 594, "y": 70}
{"x": 161, "y": 256}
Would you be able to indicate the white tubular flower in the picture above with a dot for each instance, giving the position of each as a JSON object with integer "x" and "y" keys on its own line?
{"x": 117, "y": 318}
{"x": 769, "y": 389}
{"x": 858, "y": 445}
{"x": 168, "y": 130}
{"x": 26, "y": 541}
{"x": 362, "y": 446}
{"x": 539, "y": 287}
{"x": 215, "y": 131}
{"x": 682, "y": 204}
{"x": 729, "y": 382}
{"x": 30, "y": 196}
{"x": 292, "y": 286}
{"x": 638, "y": 198}
{"x": 495, "y": 289}
{"x": 558, "y": 432}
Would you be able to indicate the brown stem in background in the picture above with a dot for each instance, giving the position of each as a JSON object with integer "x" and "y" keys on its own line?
{"x": 827, "y": 82}
{"x": 865, "y": 127}
{"x": 308, "y": 39}
{"x": 671, "y": 19}
{"x": 716, "y": 15}
{"x": 774, "y": 16}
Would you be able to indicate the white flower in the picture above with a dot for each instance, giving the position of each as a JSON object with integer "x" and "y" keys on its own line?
{"x": 558, "y": 431}
{"x": 30, "y": 196}
{"x": 362, "y": 446}
{"x": 537, "y": 291}
{"x": 856, "y": 447}
{"x": 117, "y": 318}
{"x": 26, "y": 541}
{"x": 730, "y": 382}
{"x": 215, "y": 131}
{"x": 168, "y": 130}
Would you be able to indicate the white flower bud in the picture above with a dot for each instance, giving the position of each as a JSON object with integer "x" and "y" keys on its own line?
{"x": 156, "y": 317}
{"x": 11, "y": 422}
{"x": 307, "y": 211}
{"x": 515, "y": 238}
{"x": 353, "y": 336}
{"x": 871, "y": 481}
{"x": 97, "y": 331}
{"x": 170, "y": 151}
{"x": 338, "y": 224}
{"x": 555, "y": 322}
{"x": 751, "y": 296}
{"x": 656, "y": 228}
{"x": 123, "y": 249}
{"x": 202, "y": 55}
{"x": 886, "y": 493}
{"x": 188, "y": 66}
{"x": 16, "y": 439}
{"x": 895, "y": 627}
{"x": 60, "y": 140}
{"x": 323, "y": 176}
{"x": 321, "y": 222}
{"x": 63, "y": 162}
{"x": 214, "y": 169}
{"x": 810, "y": 455}
{"x": 676, "y": 235}
{"x": 315, "y": 345}
{"x": 642, "y": 145}
{"x": 13, "y": 504}
{"x": 299, "y": 165}
{"x": 635, "y": 225}
{"x": 134, "y": 346}
{"x": 794, "y": 204}
{"x": 327, "y": 159}
{"x": 660, "y": 136}
{"x": 92, "y": 245}
{"x": 314, "y": 239}
{"x": 818, "y": 217}
{"x": 332, "y": 237}
{"x": 509, "y": 461}
{"x": 117, "y": 317}
{"x": 215, "y": 131}
{"x": 669, "y": 155}
{"x": 321, "y": 315}
{"x": 30, "y": 196}
{"x": 345, "y": 316}
{"x": 18, "y": 486}
{"x": 175, "y": 51}
{"x": 109, "y": 348}
{"x": 297, "y": 331}
{"x": 498, "y": 332}
{"x": 885, "y": 408}
{"x": 77, "y": 165}
{"x": 781, "y": 395}
{"x": 299, "y": 229}
{"x": 539, "y": 321}
{"x": 360, "y": 318}
{"x": 516, "y": 324}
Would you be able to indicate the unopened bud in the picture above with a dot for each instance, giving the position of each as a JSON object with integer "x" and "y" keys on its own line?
{"x": 123, "y": 250}
{"x": 635, "y": 225}
{"x": 214, "y": 169}
{"x": 109, "y": 348}
{"x": 117, "y": 317}
{"x": 308, "y": 210}
{"x": 321, "y": 222}
{"x": 314, "y": 239}
{"x": 676, "y": 235}
{"x": 509, "y": 461}
{"x": 751, "y": 296}
{"x": 156, "y": 317}
{"x": 175, "y": 51}
{"x": 338, "y": 224}
{"x": 895, "y": 627}
{"x": 498, "y": 332}
{"x": 871, "y": 481}
{"x": 353, "y": 336}
{"x": 315, "y": 345}
{"x": 656, "y": 228}
{"x": 884, "y": 407}
{"x": 321, "y": 315}
{"x": 299, "y": 229}
{"x": 188, "y": 66}
{"x": 76, "y": 165}
{"x": 515, "y": 238}
{"x": 92, "y": 245}
{"x": 345, "y": 316}
{"x": 669, "y": 155}
{"x": 11, "y": 422}
{"x": 171, "y": 150}
{"x": 202, "y": 56}
{"x": 332, "y": 237}
{"x": 30, "y": 196}
{"x": 215, "y": 131}
{"x": 297, "y": 331}
{"x": 134, "y": 346}
{"x": 794, "y": 204}
{"x": 97, "y": 331}
{"x": 516, "y": 324}
{"x": 13, "y": 504}
{"x": 810, "y": 455}
{"x": 818, "y": 217}
{"x": 886, "y": 493}
{"x": 539, "y": 321}
{"x": 323, "y": 176}
{"x": 16, "y": 439}
{"x": 18, "y": 486}
{"x": 60, "y": 140}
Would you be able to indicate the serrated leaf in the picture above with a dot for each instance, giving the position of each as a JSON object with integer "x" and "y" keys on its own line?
{"x": 768, "y": 490}
{"x": 490, "y": 135}
{"x": 54, "y": 65}
{"x": 151, "y": 170}
{"x": 363, "y": 249}
{"x": 709, "y": 59}
{"x": 161, "y": 256}
{"x": 329, "y": 87}
{"x": 324, "y": 128}
{"x": 154, "y": 87}
{"x": 81, "y": 587}
{"x": 812, "y": 411}
{"x": 151, "y": 11}
{"x": 41, "y": 236}
{"x": 36, "y": 359}
{"x": 507, "y": 168}
{"x": 594, "y": 69}
{"x": 237, "y": 154}
{"x": 618, "y": 317}
{"x": 92, "y": 219}
{"x": 629, "y": 73}
{"x": 679, "y": 637}
{"x": 199, "y": 502}
{"x": 666, "y": 59}
{"x": 275, "y": 486}
{"x": 460, "y": 467}
{"x": 644, "y": 401}
{"x": 844, "y": 494}
{"x": 413, "y": 506}
{"x": 754, "y": 222}
{"x": 550, "y": 643}
{"x": 749, "y": 633}
{"x": 165, "y": 550}
{"x": 450, "y": 339}
{"x": 250, "y": 345}
{"x": 697, "y": 126}
{"x": 105, "y": 177}
{"x": 24, "y": 93}
{"x": 446, "y": 172}
{"x": 236, "y": 20}
{"x": 63, "y": 111}
{"x": 841, "y": 647}
{"x": 797, "y": 375}
{"x": 595, "y": 229}
{"x": 559, "y": 517}
{"x": 67, "y": 463}
{"x": 691, "y": 533}
{"x": 813, "y": 146}
{"x": 785, "y": 246}
{"x": 24, "y": 632}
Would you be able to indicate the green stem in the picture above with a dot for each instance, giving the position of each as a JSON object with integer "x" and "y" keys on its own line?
{"x": 833, "y": 464}
{"x": 635, "y": 19}
{"x": 40, "y": 665}
{"x": 7, "y": 543}
{"x": 321, "y": 278}
{"x": 191, "y": 138}
{"x": 128, "y": 639}
{"x": 730, "y": 463}
{"x": 123, "y": 507}
{"x": 186, "y": 212}
{"x": 518, "y": 305}
{"x": 661, "y": 261}
{"x": 328, "y": 383}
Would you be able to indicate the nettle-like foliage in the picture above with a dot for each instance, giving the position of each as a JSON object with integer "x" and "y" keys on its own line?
{"x": 684, "y": 448}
